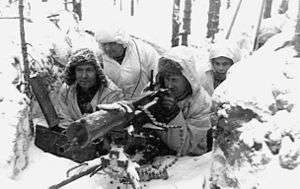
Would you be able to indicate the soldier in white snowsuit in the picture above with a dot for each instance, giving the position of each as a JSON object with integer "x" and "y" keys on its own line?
{"x": 222, "y": 56}
{"x": 127, "y": 61}
{"x": 189, "y": 103}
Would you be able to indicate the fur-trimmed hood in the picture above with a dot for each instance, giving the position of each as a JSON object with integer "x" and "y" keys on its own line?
{"x": 187, "y": 59}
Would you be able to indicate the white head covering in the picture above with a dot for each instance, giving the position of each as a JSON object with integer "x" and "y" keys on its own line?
{"x": 226, "y": 49}
{"x": 112, "y": 33}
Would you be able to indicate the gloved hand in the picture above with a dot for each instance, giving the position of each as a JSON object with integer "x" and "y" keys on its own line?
{"x": 116, "y": 106}
{"x": 168, "y": 103}
{"x": 166, "y": 108}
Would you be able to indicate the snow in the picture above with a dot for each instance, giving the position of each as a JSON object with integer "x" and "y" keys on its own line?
{"x": 187, "y": 172}
{"x": 22, "y": 165}
{"x": 266, "y": 83}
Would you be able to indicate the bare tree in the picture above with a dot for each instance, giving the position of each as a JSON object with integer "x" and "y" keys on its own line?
{"x": 121, "y": 5}
{"x": 24, "y": 47}
{"x": 66, "y": 4}
{"x": 268, "y": 9}
{"x": 175, "y": 23}
{"x": 233, "y": 19}
{"x": 213, "y": 18}
{"x": 77, "y": 8}
{"x": 186, "y": 22}
{"x": 228, "y": 4}
{"x": 255, "y": 46}
{"x": 283, "y": 6}
{"x": 132, "y": 8}
{"x": 297, "y": 32}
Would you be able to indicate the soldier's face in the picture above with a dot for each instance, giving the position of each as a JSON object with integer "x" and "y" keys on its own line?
{"x": 85, "y": 76}
{"x": 221, "y": 64}
{"x": 113, "y": 49}
{"x": 177, "y": 84}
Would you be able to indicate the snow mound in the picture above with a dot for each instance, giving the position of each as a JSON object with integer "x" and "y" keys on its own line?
{"x": 258, "y": 129}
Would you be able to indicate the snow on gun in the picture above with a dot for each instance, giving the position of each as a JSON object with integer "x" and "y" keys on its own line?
{"x": 94, "y": 126}
{"x": 116, "y": 164}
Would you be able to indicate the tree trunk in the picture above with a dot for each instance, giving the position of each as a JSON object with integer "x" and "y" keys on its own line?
{"x": 77, "y": 8}
{"x": 175, "y": 23}
{"x": 233, "y": 19}
{"x": 297, "y": 32}
{"x": 213, "y": 18}
{"x": 121, "y": 5}
{"x": 263, "y": 3}
{"x": 132, "y": 8}
{"x": 66, "y": 4}
{"x": 284, "y": 6}
{"x": 23, "y": 134}
{"x": 24, "y": 47}
{"x": 186, "y": 22}
{"x": 228, "y": 4}
{"x": 268, "y": 9}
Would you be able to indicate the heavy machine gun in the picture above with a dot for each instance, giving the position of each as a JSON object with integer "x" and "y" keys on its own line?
{"x": 76, "y": 142}
{"x": 93, "y": 126}
{"x": 119, "y": 114}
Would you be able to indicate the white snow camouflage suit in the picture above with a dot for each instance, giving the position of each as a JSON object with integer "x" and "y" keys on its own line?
{"x": 194, "y": 116}
{"x": 133, "y": 74}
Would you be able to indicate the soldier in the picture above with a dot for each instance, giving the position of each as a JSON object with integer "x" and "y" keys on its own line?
{"x": 222, "y": 56}
{"x": 85, "y": 87}
{"x": 127, "y": 61}
{"x": 187, "y": 108}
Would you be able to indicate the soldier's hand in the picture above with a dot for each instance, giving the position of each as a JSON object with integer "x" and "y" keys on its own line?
{"x": 168, "y": 102}
{"x": 116, "y": 106}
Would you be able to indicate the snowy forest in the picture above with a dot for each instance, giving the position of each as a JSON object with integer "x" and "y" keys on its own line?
{"x": 253, "y": 137}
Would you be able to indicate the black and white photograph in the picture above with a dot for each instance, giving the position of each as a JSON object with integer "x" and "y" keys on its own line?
{"x": 150, "y": 94}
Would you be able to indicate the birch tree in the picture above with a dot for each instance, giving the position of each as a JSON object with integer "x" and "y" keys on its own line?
{"x": 297, "y": 32}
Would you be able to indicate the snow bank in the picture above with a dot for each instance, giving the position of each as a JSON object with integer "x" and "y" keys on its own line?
{"x": 259, "y": 125}
{"x": 13, "y": 105}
